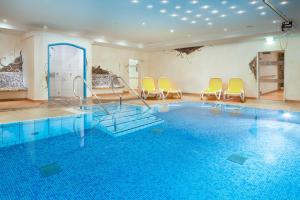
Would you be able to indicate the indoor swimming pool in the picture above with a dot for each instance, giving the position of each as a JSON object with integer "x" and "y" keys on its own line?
{"x": 174, "y": 151}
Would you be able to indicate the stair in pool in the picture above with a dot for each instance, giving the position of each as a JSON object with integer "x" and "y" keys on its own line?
{"x": 123, "y": 119}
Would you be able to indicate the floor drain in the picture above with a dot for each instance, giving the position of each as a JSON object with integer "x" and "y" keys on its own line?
{"x": 35, "y": 133}
{"x": 157, "y": 131}
{"x": 50, "y": 170}
{"x": 237, "y": 159}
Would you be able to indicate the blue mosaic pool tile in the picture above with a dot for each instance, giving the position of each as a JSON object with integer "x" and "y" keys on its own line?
{"x": 27, "y": 131}
{"x": 10, "y": 133}
{"x": 67, "y": 124}
{"x": 55, "y": 126}
{"x": 50, "y": 169}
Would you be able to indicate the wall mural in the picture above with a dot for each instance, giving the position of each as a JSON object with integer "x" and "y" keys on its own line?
{"x": 11, "y": 72}
{"x": 102, "y": 78}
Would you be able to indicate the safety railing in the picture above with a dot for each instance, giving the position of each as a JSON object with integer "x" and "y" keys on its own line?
{"x": 91, "y": 90}
{"x": 131, "y": 89}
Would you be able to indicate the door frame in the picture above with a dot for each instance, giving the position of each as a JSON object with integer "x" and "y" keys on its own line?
{"x": 258, "y": 73}
{"x": 84, "y": 64}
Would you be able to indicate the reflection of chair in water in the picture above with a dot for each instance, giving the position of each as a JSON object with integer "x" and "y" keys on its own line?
{"x": 215, "y": 110}
{"x": 163, "y": 108}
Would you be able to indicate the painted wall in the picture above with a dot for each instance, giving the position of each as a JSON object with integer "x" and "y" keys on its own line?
{"x": 192, "y": 74}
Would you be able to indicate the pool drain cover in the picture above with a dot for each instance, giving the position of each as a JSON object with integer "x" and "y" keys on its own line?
{"x": 50, "y": 170}
{"x": 237, "y": 159}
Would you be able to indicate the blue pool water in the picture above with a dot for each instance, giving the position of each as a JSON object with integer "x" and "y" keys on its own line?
{"x": 185, "y": 157}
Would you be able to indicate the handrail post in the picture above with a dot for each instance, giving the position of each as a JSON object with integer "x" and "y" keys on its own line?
{"x": 91, "y": 90}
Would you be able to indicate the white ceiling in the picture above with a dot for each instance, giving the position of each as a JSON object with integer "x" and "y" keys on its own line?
{"x": 122, "y": 22}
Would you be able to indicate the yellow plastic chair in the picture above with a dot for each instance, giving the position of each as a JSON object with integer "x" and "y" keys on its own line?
{"x": 235, "y": 88}
{"x": 166, "y": 88}
{"x": 215, "y": 88}
{"x": 148, "y": 88}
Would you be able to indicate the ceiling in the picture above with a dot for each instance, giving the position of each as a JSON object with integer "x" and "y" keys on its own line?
{"x": 148, "y": 24}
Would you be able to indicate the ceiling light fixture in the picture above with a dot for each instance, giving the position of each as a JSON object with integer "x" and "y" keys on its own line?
{"x": 193, "y": 22}
{"x": 225, "y": 29}
{"x": 163, "y": 11}
{"x": 224, "y": 2}
{"x": 240, "y": 12}
{"x": 193, "y": 2}
{"x": 164, "y": 1}
{"x": 177, "y": 7}
{"x": 214, "y": 11}
{"x": 232, "y": 7}
{"x": 263, "y": 13}
{"x": 174, "y": 15}
{"x": 172, "y": 31}
{"x": 45, "y": 27}
{"x": 253, "y": 2}
{"x": 4, "y": 20}
{"x": 260, "y": 7}
{"x": 205, "y": 7}
{"x": 198, "y": 15}
{"x": 184, "y": 18}
{"x": 283, "y": 2}
{"x": 149, "y": 6}
{"x": 188, "y": 11}
{"x": 270, "y": 40}
{"x": 207, "y": 19}
{"x": 223, "y": 15}
{"x": 135, "y": 1}
{"x": 210, "y": 23}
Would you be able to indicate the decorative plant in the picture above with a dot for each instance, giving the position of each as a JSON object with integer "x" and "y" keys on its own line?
{"x": 187, "y": 50}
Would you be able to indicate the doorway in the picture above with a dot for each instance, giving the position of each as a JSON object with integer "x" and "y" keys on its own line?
{"x": 133, "y": 73}
{"x": 271, "y": 75}
{"x": 65, "y": 62}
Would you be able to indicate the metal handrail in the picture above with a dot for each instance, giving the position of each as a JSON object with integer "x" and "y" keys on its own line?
{"x": 90, "y": 89}
{"x": 126, "y": 84}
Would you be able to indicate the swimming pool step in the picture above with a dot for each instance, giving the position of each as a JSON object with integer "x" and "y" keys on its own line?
{"x": 133, "y": 126}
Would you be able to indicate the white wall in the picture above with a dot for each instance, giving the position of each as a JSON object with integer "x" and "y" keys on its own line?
{"x": 116, "y": 60}
{"x": 225, "y": 61}
{"x": 41, "y": 40}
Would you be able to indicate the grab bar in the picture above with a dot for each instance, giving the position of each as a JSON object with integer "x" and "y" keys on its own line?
{"x": 126, "y": 84}
{"x": 90, "y": 89}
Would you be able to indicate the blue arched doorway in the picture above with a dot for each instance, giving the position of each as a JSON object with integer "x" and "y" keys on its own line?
{"x": 65, "y": 62}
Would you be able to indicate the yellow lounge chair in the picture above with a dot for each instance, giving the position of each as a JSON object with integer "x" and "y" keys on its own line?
{"x": 235, "y": 88}
{"x": 215, "y": 88}
{"x": 165, "y": 88}
{"x": 148, "y": 88}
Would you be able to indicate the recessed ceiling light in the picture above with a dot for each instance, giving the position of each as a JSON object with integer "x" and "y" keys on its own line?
{"x": 193, "y": 22}
{"x": 184, "y": 18}
{"x": 223, "y": 15}
{"x": 171, "y": 30}
{"x": 188, "y": 11}
{"x": 253, "y": 2}
{"x": 135, "y": 1}
{"x": 143, "y": 23}
{"x": 214, "y": 11}
{"x": 274, "y": 22}
{"x": 177, "y": 7}
{"x": 270, "y": 40}
{"x": 4, "y": 20}
{"x": 260, "y": 7}
{"x": 149, "y": 6}
{"x": 205, "y": 7}
{"x": 207, "y": 19}
{"x": 210, "y": 23}
{"x": 164, "y": 1}
{"x": 140, "y": 46}
{"x": 263, "y": 13}
{"x": 232, "y": 7}
{"x": 174, "y": 15}
{"x": 122, "y": 43}
{"x": 240, "y": 12}
{"x": 283, "y": 2}
{"x": 163, "y": 11}
{"x": 198, "y": 15}
{"x": 225, "y": 29}
{"x": 45, "y": 27}
{"x": 224, "y": 2}
{"x": 193, "y": 2}
{"x": 101, "y": 40}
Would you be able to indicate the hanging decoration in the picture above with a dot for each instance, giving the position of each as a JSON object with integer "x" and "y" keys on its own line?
{"x": 187, "y": 50}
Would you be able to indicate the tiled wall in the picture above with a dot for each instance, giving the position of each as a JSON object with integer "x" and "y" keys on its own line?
{"x": 11, "y": 80}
